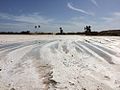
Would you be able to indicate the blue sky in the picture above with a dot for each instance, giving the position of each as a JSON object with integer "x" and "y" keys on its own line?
{"x": 72, "y": 15}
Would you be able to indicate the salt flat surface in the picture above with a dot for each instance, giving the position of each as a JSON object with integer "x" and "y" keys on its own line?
{"x": 49, "y": 62}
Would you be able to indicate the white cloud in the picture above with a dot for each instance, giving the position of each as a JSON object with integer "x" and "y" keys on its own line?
{"x": 110, "y": 22}
{"x": 26, "y": 22}
{"x": 116, "y": 14}
{"x": 76, "y": 24}
{"x": 16, "y": 27}
{"x": 114, "y": 18}
{"x": 79, "y": 10}
{"x": 30, "y": 18}
{"x": 94, "y": 2}
{"x": 107, "y": 23}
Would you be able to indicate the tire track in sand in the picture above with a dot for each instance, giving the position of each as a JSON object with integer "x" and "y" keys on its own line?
{"x": 97, "y": 51}
{"x": 23, "y": 64}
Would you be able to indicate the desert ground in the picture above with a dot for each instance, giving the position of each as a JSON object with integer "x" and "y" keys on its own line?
{"x": 50, "y": 62}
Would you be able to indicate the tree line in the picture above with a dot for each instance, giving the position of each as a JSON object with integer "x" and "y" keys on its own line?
{"x": 87, "y": 31}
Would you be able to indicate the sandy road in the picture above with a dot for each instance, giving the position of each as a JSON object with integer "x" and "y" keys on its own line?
{"x": 86, "y": 63}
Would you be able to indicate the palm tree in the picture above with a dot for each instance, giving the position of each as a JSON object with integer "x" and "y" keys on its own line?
{"x": 61, "y": 30}
{"x": 38, "y": 26}
{"x": 87, "y": 29}
{"x": 35, "y": 27}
